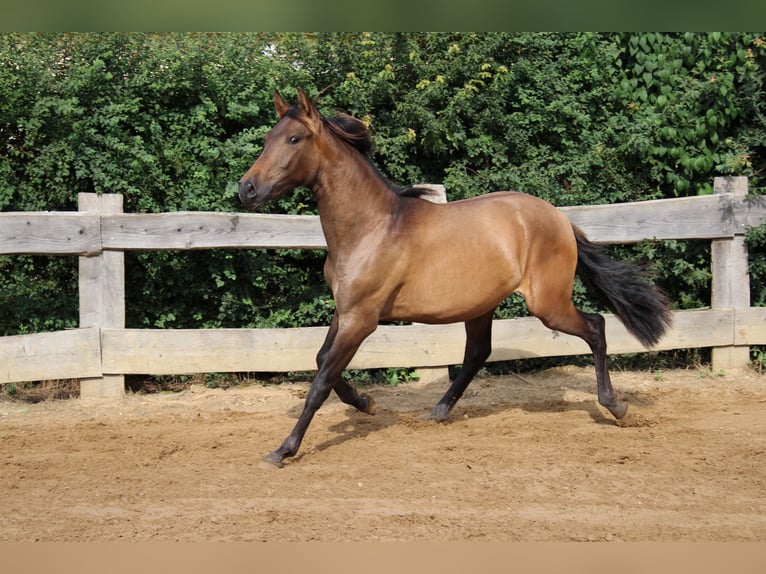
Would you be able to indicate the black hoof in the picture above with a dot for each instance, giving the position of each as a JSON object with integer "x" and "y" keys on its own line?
{"x": 619, "y": 409}
{"x": 273, "y": 459}
{"x": 370, "y": 409}
{"x": 439, "y": 413}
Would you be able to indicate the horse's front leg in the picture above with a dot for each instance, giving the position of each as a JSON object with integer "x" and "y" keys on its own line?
{"x": 345, "y": 391}
{"x": 343, "y": 342}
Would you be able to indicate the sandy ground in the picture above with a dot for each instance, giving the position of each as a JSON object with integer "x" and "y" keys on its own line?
{"x": 530, "y": 458}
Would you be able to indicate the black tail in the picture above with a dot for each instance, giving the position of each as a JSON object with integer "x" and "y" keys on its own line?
{"x": 642, "y": 307}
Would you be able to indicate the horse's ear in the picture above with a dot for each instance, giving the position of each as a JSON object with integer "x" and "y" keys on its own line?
{"x": 304, "y": 103}
{"x": 280, "y": 104}
{"x": 307, "y": 106}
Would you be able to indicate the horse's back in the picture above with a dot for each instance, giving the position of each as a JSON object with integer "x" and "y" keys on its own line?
{"x": 513, "y": 216}
{"x": 517, "y": 201}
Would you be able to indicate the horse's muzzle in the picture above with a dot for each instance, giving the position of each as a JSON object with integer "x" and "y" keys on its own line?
{"x": 251, "y": 196}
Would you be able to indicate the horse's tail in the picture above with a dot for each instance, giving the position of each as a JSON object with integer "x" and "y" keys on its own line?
{"x": 623, "y": 288}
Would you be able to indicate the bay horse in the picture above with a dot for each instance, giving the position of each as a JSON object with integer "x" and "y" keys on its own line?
{"x": 385, "y": 245}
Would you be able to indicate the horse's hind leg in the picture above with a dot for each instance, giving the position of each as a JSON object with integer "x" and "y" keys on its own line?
{"x": 597, "y": 342}
{"x": 478, "y": 346}
{"x": 350, "y": 396}
{"x": 566, "y": 318}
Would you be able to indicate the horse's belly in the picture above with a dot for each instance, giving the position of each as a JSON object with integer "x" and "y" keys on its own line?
{"x": 450, "y": 296}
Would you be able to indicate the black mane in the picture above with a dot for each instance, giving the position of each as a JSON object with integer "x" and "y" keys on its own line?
{"x": 414, "y": 191}
{"x": 356, "y": 134}
{"x": 350, "y": 130}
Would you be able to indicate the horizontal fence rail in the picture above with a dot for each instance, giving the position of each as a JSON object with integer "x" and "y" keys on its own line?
{"x": 102, "y": 351}
{"x": 90, "y": 233}
{"x": 89, "y": 352}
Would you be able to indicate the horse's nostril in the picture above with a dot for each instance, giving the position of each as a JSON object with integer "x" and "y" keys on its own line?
{"x": 246, "y": 189}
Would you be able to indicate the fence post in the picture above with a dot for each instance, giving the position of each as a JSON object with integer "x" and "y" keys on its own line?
{"x": 102, "y": 294}
{"x": 731, "y": 279}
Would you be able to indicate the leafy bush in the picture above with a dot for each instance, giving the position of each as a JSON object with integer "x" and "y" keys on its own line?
{"x": 172, "y": 121}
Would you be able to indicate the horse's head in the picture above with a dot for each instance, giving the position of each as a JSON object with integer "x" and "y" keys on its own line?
{"x": 289, "y": 158}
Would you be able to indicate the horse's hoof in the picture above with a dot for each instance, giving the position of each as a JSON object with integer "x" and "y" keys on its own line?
{"x": 619, "y": 409}
{"x": 272, "y": 460}
{"x": 370, "y": 409}
{"x": 438, "y": 413}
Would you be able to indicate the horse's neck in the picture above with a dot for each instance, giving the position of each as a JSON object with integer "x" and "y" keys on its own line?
{"x": 353, "y": 201}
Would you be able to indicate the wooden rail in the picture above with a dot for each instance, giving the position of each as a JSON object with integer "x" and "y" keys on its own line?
{"x": 101, "y": 351}
{"x": 720, "y": 216}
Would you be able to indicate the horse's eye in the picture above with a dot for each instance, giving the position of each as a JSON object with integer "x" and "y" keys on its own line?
{"x": 294, "y": 139}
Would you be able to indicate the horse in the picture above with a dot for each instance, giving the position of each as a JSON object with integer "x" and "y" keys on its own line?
{"x": 385, "y": 244}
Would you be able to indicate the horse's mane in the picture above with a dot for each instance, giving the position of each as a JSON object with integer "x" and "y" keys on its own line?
{"x": 350, "y": 130}
{"x": 356, "y": 134}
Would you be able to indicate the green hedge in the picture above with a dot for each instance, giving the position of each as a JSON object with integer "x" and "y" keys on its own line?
{"x": 172, "y": 121}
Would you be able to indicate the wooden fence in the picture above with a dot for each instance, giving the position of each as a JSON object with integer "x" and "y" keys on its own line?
{"x": 101, "y": 351}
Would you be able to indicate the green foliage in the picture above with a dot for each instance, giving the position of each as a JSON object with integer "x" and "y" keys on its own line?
{"x": 482, "y": 112}
{"x": 756, "y": 243}
{"x": 172, "y": 121}
{"x": 391, "y": 376}
{"x": 37, "y": 294}
{"x": 693, "y": 94}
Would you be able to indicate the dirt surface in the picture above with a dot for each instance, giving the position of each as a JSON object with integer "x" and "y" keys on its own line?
{"x": 522, "y": 458}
